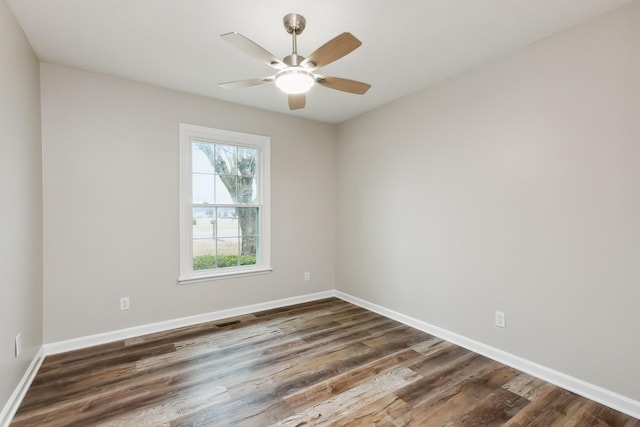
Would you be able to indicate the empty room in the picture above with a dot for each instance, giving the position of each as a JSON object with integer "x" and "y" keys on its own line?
{"x": 339, "y": 213}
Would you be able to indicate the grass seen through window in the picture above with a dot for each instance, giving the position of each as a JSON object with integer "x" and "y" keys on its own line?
{"x": 207, "y": 262}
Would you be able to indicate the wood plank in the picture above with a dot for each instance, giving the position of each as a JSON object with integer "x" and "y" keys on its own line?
{"x": 324, "y": 390}
{"x": 458, "y": 397}
{"x": 528, "y": 387}
{"x": 494, "y": 410}
{"x": 334, "y": 408}
{"x": 555, "y": 408}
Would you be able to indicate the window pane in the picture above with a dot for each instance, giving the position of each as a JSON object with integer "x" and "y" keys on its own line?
{"x": 249, "y": 250}
{"x": 203, "y": 187}
{"x": 202, "y": 157}
{"x": 227, "y": 252}
{"x": 247, "y": 161}
{"x": 227, "y": 223}
{"x": 248, "y": 218}
{"x": 227, "y": 246}
{"x": 246, "y": 190}
{"x": 204, "y": 223}
{"x": 226, "y": 159}
{"x": 226, "y": 189}
{"x": 204, "y": 254}
{"x": 204, "y": 247}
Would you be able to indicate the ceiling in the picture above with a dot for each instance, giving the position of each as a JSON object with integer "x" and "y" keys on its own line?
{"x": 407, "y": 44}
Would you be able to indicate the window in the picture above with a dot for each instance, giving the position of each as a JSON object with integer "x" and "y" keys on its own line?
{"x": 224, "y": 203}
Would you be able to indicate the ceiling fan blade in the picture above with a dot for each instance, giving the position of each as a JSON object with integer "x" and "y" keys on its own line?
{"x": 345, "y": 85}
{"x": 297, "y": 102}
{"x": 253, "y": 49}
{"x": 246, "y": 83}
{"x": 332, "y": 50}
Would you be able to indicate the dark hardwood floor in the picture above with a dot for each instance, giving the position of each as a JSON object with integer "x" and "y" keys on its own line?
{"x": 322, "y": 363}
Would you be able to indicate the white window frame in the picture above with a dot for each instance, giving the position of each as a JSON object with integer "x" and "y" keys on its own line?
{"x": 189, "y": 133}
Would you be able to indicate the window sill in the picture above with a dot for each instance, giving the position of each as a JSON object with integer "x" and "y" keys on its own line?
{"x": 223, "y": 275}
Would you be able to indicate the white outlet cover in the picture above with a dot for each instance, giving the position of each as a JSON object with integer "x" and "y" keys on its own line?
{"x": 18, "y": 345}
{"x": 501, "y": 319}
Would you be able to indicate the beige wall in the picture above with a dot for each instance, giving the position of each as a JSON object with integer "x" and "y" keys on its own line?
{"x": 21, "y": 200}
{"x": 110, "y": 156}
{"x": 513, "y": 187}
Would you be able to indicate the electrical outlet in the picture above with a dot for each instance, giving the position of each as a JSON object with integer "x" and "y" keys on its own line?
{"x": 500, "y": 319}
{"x": 307, "y": 276}
{"x": 18, "y": 345}
{"x": 124, "y": 303}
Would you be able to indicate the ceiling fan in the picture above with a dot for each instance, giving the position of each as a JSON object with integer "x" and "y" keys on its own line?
{"x": 296, "y": 74}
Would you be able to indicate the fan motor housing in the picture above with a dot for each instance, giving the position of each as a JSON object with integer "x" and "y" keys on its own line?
{"x": 293, "y": 60}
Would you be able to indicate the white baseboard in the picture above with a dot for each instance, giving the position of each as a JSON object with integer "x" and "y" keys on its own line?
{"x": 136, "y": 331}
{"x": 590, "y": 391}
{"x": 16, "y": 397}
